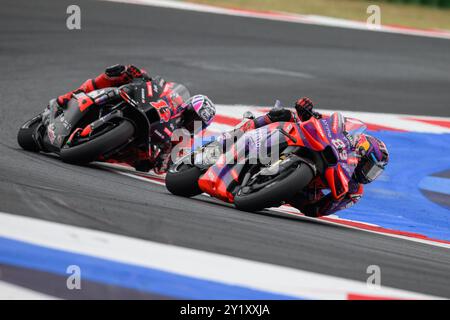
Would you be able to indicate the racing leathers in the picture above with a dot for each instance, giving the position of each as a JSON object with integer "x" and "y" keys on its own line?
{"x": 312, "y": 202}
{"x": 119, "y": 75}
{"x": 113, "y": 76}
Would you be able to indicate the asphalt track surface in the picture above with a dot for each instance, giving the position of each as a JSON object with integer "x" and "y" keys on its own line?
{"x": 233, "y": 60}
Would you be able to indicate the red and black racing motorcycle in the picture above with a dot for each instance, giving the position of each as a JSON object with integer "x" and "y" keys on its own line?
{"x": 271, "y": 165}
{"x": 109, "y": 123}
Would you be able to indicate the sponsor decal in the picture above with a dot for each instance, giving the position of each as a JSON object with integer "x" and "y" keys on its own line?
{"x": 168, "y": 132}
{"x": 67, "y": 125}
{"x": 51, "y": 134}
{"x": 159, "y": 134}
{"x": 363, "y": 145}
{"x": 327, "y": 128}
{"x": 142, "y": 95}
{"x": 335, "y": 124}
{"x": 320, "y": 130}
{"x": 289, "y": 128}
{"x": 163, "y": 110}
{"x": 149, "y": 89}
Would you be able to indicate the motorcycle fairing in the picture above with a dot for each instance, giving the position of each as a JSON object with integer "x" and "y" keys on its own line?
{"x": 61, "y": 124}
{"x": 332, "y": 133}
{"x": 220, "y": 179}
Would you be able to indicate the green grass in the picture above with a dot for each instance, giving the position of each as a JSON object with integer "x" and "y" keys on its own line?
{"x": 392, "y": 12}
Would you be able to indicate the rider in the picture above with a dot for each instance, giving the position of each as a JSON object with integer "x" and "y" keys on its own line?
{"x": 372, "y": 153}
{"x": 197, "y": 108}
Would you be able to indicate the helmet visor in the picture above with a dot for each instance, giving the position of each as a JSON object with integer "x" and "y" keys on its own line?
{"x": 371, "y": 170}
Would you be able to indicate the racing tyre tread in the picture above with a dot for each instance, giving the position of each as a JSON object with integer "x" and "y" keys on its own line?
{"x": 184, "y": 183}
{"x": 25, "y": 138}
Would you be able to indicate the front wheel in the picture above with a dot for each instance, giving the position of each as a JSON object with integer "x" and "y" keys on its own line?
{"x": 91, "y": 150}
{"x": 26, "y": 134}
{"x": 182, "y": 180}
{"x": 274, "y": 190}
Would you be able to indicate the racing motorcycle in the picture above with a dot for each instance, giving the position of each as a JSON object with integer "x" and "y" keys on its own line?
{"x": 269, "y": 166}
{"x": 104, "y": 124}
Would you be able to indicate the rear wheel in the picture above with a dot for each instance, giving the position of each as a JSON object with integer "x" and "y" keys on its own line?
{"x": 25, "y": 136}
{"x": 182, "y": 180}
{"x": 91, "y": 150}
{"x": 270, "y": 191}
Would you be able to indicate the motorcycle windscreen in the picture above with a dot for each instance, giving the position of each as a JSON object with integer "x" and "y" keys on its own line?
{"x": 178, "y": 95}
{"x": 354, "y": 129}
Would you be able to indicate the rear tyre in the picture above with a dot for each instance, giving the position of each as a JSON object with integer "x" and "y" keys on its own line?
{"x": 182, "y": 180}
{"x": 91, "y": 150}
{"x": 275, "y": 193}
{"x": 25, "y": 136}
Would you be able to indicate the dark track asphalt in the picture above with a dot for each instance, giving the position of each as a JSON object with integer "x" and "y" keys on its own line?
{"x": 233, "y": 60}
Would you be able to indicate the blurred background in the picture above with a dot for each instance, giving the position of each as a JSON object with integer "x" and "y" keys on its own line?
{"x": 411, "y": 13}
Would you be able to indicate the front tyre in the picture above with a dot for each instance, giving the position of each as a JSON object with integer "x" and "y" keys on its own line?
{"x": 26, "y": 134}
{"x": 282, "y": 187}
{"x": 182, "y": 180}
{"x": 91, "y": 150}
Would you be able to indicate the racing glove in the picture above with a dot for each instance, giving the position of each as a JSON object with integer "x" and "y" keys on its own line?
{"x": 134, "y": 72}
{"x": 304, "y": 108}
{"x": 113, "y": 76}
{"x": 280, "y": 114}
{"x": 120, "y": 74}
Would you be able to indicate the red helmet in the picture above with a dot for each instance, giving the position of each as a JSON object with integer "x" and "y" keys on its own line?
{"x": 374, "y": 157}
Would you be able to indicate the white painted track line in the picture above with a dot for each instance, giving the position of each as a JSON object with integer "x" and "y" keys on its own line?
{"x": 190, "y": 262}
{"x": 10, "y": 291}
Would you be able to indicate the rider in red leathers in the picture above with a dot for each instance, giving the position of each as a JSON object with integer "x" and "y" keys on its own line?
{"x": 314, "y": 202}
{"x": 113, "y": 76}
{"x": 183, "y": 114}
